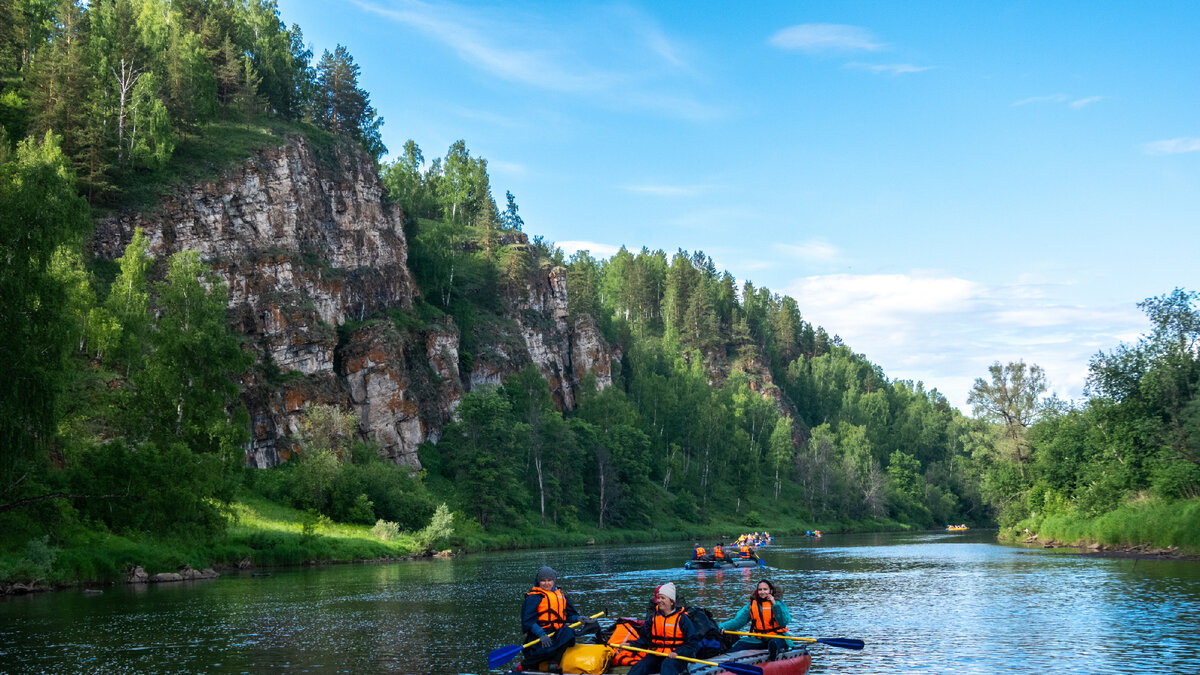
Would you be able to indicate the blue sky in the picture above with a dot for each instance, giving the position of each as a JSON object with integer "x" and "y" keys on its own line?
{"x": 943, "y": 185}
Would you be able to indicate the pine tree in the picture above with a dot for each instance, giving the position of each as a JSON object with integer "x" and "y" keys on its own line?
{"x": 341, "y": 107}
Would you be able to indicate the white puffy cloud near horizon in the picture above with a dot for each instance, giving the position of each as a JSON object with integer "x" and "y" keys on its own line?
{"x": 945, "y": 331}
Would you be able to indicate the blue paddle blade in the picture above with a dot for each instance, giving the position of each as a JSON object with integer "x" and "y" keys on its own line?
{"x": 844, "y": 643}
{"x": 501, "y": 656}
{"x": 740, "y": 668}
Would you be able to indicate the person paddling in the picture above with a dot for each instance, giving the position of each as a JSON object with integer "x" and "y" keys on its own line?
{"x": 669, "y": 631}
{"x": 545, "y": 611}
{"x": 766, "y": 613}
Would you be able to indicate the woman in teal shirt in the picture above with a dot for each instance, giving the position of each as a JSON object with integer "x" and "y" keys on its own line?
{"x": 765, "y": 613}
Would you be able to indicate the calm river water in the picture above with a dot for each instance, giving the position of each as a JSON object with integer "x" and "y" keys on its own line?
{"x": 924, "y": 603}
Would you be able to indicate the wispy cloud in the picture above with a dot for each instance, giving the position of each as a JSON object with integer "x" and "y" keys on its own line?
{"x": 888, "y": 68}
{"x": 639, "y": 74}
{"x": 815, "y": 250}
{"x": 1059, "y": 98}
{"x": 596, "y": 250}
{"x": 946, "y": 330}
{"x": 508, "y": 168}
{"x": 1173, "y": 146}
{"x": 825, "y": 37}
{"x": 665, "y": 190}
{"x": 1052, "y": 98}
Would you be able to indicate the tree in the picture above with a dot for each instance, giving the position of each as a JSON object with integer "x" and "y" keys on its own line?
{"x": 509, "y": 218}
{"x": 404, "y": 181}
{"x": 129, "y": 302}
{"x": 42, "y": 213}
{"x": 781, "y": 449}
{"x": 189, "y": 382}
{"x": 1011, "y": 399}
{"x": 482, "y": 453}
{"x": 529, "y": 396}
{"x": 341, "y": 107}
{"x": 1155, "y": 383}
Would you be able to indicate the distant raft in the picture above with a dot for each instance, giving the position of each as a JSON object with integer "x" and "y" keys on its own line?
{"x": 727, "y": 563}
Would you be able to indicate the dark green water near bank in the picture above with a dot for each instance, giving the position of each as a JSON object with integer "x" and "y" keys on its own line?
{"x": 924, "y": 603}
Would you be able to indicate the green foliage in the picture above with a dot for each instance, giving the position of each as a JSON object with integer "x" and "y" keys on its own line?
{"x": 42, "y": 216}
{"x": 340, "y": 106}
{"x": 440, "y": 528}
{"x": 385, "y": 531}
{"x": 34, "y": 563}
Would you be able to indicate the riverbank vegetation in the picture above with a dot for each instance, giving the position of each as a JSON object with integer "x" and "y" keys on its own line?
{"x": 123, "y": 437}
{"x": 1121, "y": 467}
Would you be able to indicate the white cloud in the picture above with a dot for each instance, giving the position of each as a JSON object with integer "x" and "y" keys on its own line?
{"x": 888, "y": 68}
{"x": 825, "y": 37}
{"x": 1053, "y": 98}
{"x": 507, "y": 168}
{"x": 945, "y": 331}
{"x": 596, "y": 250}
{"x": 814, "y": 250}
{"x": 1172, "y": 146}
{"x": 1059, "y": 98}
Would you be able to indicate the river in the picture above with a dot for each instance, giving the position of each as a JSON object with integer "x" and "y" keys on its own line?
{"x": 924, "y": 603}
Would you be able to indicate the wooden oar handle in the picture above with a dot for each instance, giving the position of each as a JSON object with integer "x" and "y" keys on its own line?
{"x": 597, "y": 615}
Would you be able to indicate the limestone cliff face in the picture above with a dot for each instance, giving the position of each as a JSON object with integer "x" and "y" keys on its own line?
{"x": 302, "y": 237}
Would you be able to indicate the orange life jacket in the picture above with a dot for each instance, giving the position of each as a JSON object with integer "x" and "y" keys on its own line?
{"x": 744, "y": 550}
{"x": 552, "y": 608}
{"x": 624, "y": 632}
{"x": 762, "y": 618}
{"x": 666, "y": 633}
{"x": 718, "y": 552}
{"x": 700, "y": 551}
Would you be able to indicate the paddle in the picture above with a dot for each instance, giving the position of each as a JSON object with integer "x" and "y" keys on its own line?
{"x": 844, "y": 643}
{"x": 740, "y": 668}
{"x": 501, "y": 656}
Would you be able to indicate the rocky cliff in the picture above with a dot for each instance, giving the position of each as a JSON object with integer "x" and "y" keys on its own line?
{"x": 316, "y": 264}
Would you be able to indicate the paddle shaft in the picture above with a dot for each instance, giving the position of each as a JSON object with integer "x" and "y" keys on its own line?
{"x": 768, "y": 635}
{"x": 844, "y": 643}
{"x": 686, "y": 658}
{"x": 597, "y": 615}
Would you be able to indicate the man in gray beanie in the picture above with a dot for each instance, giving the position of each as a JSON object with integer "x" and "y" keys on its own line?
{"x": 544, "y": 617}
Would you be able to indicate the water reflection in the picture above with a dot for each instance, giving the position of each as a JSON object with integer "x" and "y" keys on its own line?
{"x": 924, "y": 603}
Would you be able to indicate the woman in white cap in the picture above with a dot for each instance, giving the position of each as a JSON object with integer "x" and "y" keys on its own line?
{"x": 544, "y": 617}
{"x": 669, "y": 631}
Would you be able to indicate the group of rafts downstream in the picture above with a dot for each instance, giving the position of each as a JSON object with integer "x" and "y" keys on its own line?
{"x": 742, "y": 553}
{"x": 600, "y": 658}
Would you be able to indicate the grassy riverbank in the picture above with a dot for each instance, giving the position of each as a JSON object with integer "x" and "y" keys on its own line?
{"x": 1144, "y": 522}
{"x": 263, "y": 533}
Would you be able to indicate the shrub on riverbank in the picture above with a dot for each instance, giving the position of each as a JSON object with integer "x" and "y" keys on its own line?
{"x": 1146, "y": 520}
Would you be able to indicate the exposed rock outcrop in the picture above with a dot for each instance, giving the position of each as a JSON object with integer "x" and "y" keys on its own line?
{"x": 302, "y": 237}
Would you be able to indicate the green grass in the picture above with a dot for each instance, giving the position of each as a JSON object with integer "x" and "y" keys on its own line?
{"x": 267, "y": 533}
{"x": 203, "y": 156}
{"x": 1139, "y": 522}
